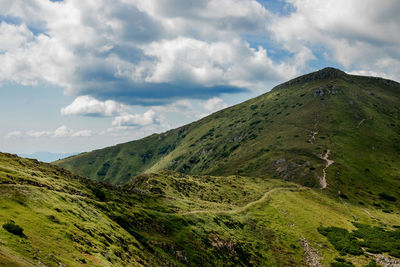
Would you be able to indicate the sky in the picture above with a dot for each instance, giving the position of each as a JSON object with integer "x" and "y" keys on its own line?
{"x": 80, "y": 75}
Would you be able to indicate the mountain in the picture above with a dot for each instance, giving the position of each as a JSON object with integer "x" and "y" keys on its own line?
{"x": 51, "y": 217}
{"x": 307, "y": 174}
{"x": 326, "y": 129}
{"x": 46, "y": 156}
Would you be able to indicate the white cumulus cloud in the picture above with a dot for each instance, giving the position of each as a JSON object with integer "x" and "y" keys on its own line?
{"x": 362, "y": 35}
{"x": 61, "y": 132}
{"x": 147, "y": 118}
{"x": 83, "y": 133}
{"x": 89, "y": 106}
{"x": 139, "y": 52}
{"x": 214, "y": 104}
{"x": 232, "y": 63}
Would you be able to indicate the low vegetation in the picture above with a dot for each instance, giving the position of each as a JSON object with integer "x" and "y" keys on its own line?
{"x": 373, "y": 239}
{"x": 14, "y": 229}
{"x": 174, "y": 219}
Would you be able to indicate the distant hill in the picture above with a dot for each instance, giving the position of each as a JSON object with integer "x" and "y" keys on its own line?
{"x": 46, "y": 156}
{"x": 51, "y": 217}
{"x": 294, "y": 132}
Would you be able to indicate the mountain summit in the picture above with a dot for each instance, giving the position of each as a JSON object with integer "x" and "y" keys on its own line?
{"x": 325, "y": 73}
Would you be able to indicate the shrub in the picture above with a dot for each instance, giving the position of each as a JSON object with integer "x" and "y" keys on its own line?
{"x": 387, "y": 197}
{"x": 341, "y": 264}
{"x": 99, "y": 193}
{"x": 255, "y": 122}
{"x": 374, "y": 239}
{"x": 342, "y": 240}
{"x": 104, "y": 169}
{"x": 14, "y": 229}
{"x": 253, "y": 107}
{"x": 372, "y": 263}
{"x": 53, "y": 219}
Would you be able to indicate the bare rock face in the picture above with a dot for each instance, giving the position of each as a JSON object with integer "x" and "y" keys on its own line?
{"x": 325, "y": 90}
{"x": 319, "y": 92}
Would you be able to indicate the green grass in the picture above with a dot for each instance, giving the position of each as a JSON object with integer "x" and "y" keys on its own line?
{"x": 169, "y": 218}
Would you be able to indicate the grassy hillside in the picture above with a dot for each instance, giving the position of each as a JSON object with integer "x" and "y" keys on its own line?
{"x": 175, "y": 219}
{"x": 285, "y": 133}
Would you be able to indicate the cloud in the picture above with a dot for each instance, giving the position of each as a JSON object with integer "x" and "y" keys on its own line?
{"x": 214, "y": 104}
{"x": 14, "y": 135}
{"x": 157, "y": 51}
{"x": 89, "y": 106}
{"x": 33, "y": 59}
{"x": 190, "y": 61}
{"x": 13, "y": 36}
{"x": 132, "y": 120}
{"x": 38, "y": 134}
{"x": 138, "y": 52}
{"x": 181, "y": 106}
{"x": 61, "y": 132}
{"x": 345, "y": 32}
{"x": 83, "y": 133}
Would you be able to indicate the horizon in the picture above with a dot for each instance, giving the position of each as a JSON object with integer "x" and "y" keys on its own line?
{"x": 72, "y": 82}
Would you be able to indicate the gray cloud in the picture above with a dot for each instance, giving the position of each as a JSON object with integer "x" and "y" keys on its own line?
{"x": 140, "y": 53}
{"x": 361, "y": 34}
{"x": 151, "y": 52}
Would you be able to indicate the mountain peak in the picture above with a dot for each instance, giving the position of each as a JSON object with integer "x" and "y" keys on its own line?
{"x": 325, "y": 73}
{"x": 329, "y": 71}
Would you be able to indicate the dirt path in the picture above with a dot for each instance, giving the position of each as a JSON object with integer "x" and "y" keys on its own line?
{"x": 247, "y": 206}
{"x": 329, "y": 162}
{"x": 312, "y": 136}
{"x": 310, "y": 254}
{"x": 314, "y": 132}
{"x": 361, "y": 122}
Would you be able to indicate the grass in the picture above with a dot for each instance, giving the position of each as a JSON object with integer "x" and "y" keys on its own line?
{"x": 170, "y": 218}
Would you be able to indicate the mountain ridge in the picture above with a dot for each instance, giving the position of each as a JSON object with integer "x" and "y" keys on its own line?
{"x": 283, "y": 133}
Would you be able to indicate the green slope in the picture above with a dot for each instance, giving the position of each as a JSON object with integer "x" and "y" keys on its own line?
{"x": 284, "y": 134}
{"x": 174, "y": 219}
